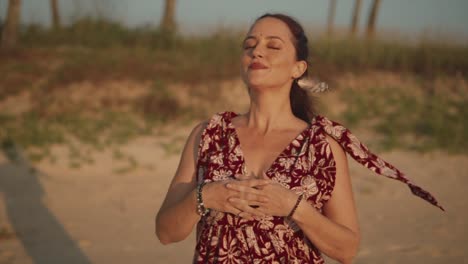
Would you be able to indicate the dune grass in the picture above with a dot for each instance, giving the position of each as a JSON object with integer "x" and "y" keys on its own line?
{"x": 97, "y": 50}
{"x": 433, "y": 120}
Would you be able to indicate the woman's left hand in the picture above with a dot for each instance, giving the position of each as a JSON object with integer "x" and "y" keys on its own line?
{"x": 280, "y": 200}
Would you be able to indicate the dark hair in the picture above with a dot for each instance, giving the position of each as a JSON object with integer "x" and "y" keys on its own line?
{"x": 301, "y": 103}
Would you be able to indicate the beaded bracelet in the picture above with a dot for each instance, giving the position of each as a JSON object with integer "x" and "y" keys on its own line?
{"x": 299, "y": 199}
{"x": 201, "y": 209}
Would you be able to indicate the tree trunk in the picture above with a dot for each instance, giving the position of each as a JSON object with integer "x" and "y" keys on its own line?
{"x": 355, "y": 19}
{"x": 331, "y": 17}
{"x": 55, "y": 14}
{"x": 10, "y": 30}
{"x": 372, "y": 18}
{"x": 168, "y": 22}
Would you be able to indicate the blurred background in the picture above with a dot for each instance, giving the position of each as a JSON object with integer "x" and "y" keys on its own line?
{"x": 97, "y": 98}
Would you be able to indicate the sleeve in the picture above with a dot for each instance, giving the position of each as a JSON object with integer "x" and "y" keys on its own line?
{"x": 359, "y": 152}
{"x": 208, "y": 144}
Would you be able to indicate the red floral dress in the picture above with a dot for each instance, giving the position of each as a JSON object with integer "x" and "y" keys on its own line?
{"x": 306, "y": 166}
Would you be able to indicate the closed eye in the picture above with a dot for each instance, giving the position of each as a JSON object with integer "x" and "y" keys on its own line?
{"x": 249, "y": 44}
{"x": 274, "y": 44}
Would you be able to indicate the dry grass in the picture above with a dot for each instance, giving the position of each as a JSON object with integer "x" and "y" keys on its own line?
{"x": 101, "y": 84}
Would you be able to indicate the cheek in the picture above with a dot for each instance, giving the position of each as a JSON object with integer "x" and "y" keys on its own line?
{"x": 245, "y": 61}
{"x": 283, "y": 60}
{"x": 284, "y": 65}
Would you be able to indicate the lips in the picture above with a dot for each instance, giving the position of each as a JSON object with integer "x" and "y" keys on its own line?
{"x": 257, "y": 66}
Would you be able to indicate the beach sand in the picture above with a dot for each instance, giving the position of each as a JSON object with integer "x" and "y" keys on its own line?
{"x": 98, "y": 214}
{"x": 104, "y": 212}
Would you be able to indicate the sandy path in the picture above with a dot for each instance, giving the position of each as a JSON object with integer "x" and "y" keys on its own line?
{"x": 94, "y": 215}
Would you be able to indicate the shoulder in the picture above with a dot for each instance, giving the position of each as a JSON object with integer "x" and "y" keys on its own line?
{"x": 198, "y": 129}
{"x": 329, "y": 127}
{"x": 219, "y": 121}
{"x": 211, "y": 126}
{"x": 196, "y": 134}
{"x": 331, "y": 131}
{"x": 338, "y": 152}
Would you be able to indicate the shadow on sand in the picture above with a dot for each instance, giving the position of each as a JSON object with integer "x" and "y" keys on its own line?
{"x": 41, "y": 234}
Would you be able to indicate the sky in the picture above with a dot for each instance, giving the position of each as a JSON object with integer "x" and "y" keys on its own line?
{"x": 410, "y": 17}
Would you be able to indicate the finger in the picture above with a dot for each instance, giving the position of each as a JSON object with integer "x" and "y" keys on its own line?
{"x": 264, "y": 209}
{"x": 253, "y": 202}
{"x": 253, "y": 198}
{"x": 236, "y": 211}
{"x": 240, "y": 213}
{"x": 244, "y": 206}
{"x": 248, "y": 183}
{"x": 242, "y": 191}
{"x": 247, "y": 216}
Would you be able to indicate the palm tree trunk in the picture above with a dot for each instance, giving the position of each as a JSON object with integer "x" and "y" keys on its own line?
{"x": 55, "y": 14}
{"x": 372, "y": 18}
{"x": 355, "y": 20}
{"x": 10, "y": 30}
{"x": 331, "y": 17}
{"x": 168, "y": 22}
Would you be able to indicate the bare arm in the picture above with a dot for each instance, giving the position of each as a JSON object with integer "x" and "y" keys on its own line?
{"x": 178, "y": 214}
{"x": 337, "y": 233}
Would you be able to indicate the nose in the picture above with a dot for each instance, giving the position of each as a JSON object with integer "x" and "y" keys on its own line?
{"x": 257, "y": 52}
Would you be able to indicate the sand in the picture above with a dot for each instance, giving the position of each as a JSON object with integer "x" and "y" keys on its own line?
{"x": 104, "y": 212}
{"x": 96, "y": 214}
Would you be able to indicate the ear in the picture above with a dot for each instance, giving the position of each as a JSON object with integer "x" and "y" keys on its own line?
{"x": 299, "y": 68}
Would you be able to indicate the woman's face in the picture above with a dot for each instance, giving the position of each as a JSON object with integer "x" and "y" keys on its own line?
{"x": 269, "y": 56}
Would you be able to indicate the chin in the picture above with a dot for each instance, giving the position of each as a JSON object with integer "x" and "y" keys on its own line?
{"x": 259, "y": 86}
{"x": 254, "y": 81}
{"x": 257, "y": 82}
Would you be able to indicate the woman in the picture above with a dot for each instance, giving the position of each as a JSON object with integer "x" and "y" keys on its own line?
{"x": 271, "y": 185}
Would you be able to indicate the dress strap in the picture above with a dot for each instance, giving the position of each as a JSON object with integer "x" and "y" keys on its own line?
{"x": 365, "y": 157}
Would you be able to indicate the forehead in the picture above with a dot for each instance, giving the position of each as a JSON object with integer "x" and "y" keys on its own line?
{"x": 270, "y": 26}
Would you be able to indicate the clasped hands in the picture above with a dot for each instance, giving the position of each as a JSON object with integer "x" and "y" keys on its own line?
{"x": 249, "y": 197}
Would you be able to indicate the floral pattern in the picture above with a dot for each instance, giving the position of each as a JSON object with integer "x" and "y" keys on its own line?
{"x": 306, "y": 166}
{"x": 365, "y": 157}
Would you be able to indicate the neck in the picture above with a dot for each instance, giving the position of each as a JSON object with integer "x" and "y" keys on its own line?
{"x": 269, "y": 110}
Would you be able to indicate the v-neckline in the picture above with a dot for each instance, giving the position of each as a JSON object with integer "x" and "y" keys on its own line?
{"x": 241, "y": 152}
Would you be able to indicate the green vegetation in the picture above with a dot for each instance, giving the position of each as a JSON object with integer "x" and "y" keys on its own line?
{"x": 97, "y": 51}
{"x": 426, "y": 58}
{"x": 433, "y": 120}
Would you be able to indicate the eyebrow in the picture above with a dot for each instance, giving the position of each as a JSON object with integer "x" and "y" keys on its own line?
{"x": 268, "y": 37}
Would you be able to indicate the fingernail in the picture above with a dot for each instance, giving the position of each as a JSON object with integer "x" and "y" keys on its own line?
{"x": 228, "y": 185}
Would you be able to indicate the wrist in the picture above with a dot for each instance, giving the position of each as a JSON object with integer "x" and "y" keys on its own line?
{"x": 297, "y": 202}
{"x": 206, "y": 195}
{"x": 202, "y": 210}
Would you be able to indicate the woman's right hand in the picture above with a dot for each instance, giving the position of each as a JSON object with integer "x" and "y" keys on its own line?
{"x": 216, "y": 196}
